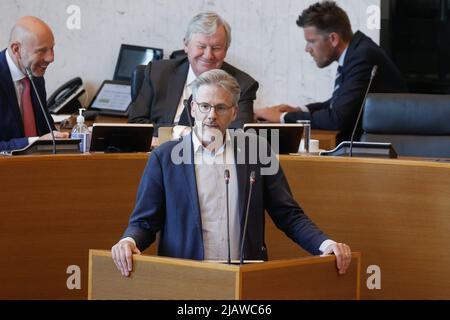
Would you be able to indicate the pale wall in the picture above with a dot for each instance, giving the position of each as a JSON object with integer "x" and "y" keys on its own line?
{"x": 266, "y": 41}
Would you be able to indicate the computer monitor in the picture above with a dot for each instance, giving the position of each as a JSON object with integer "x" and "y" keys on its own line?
{"x": 120, "y": 137}
{"x": 131, "y": 56}
{"x": 289, "y": 135}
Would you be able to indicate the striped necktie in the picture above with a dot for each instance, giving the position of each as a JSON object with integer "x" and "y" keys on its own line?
{"x": 337, "y": 84}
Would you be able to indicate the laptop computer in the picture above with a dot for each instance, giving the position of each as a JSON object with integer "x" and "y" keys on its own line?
{"x": 120, "y": 137}
{"x": 287, "y": 135}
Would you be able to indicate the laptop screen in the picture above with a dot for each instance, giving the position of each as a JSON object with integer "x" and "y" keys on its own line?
{"x": 121, "y": 137}
{"x": 286, "y": 137}
{"x": 131, "y": 56}
{"x": 113, "y": 97}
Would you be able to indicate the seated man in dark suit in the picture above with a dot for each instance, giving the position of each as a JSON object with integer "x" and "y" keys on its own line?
{"x": 181, "y": 194}
{"x": 21, "y": 119}
{"x": 166, "y": 84}
{"x": 329, "y": 38}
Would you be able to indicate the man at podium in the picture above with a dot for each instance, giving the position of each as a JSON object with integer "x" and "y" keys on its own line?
{"x": 187, "y": 184}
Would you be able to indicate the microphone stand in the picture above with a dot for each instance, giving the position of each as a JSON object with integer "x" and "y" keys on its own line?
{"x": 372, "y": 75}
{"x": 227, "y": 182}
{"x": 30, "y": 76}
{"x": 252, "y": 182}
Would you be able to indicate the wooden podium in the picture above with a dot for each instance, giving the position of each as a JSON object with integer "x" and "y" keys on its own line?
{"x": 164, "y": 278}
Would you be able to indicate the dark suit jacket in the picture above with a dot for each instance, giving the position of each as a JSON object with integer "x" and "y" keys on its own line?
{"x": 362, "y": 55}
{"x": 12, "y": 134}
{"x": 163, "y": 86}
{"x": 167, "y": 201}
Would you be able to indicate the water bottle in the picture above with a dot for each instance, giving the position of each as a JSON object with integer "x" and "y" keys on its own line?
{"x": 81, "y": 131}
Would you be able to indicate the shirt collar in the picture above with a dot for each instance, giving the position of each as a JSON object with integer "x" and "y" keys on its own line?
{"x": 16, "y": 74}
{"x": 342, "y": 57}
{"x": 198, "y": 146}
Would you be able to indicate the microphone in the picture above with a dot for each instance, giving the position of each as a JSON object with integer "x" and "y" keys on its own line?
{"x": 187, "y": 109}
{"x": 252, "y": 182}
{"x": 372, "y": 75}
{"x": 363, "y": 149}
{"x": 30, "y": 76}
{"x": 227, "y": 182}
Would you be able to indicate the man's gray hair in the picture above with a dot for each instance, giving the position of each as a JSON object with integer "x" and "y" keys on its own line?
{"x": 207, "y": 23}
{"x": 219, "y": 78}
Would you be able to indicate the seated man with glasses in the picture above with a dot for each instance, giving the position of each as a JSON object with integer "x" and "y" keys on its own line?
{"x": 181, "y": 194}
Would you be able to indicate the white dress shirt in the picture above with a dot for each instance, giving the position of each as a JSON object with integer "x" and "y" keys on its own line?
{"x": 186, "y": 94}
{"x": 211, "y": 190}
{"x": 179, "y": 131}
{"x": 16, "y": 76}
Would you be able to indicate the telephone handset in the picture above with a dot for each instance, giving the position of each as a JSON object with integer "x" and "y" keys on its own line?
{"x": 65, "y": 98}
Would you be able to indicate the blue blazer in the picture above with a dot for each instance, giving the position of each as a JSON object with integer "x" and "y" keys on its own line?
{"x": 167, "y": 202}
{"x": 12, "y": 134}
{"x": 362, "y": 55}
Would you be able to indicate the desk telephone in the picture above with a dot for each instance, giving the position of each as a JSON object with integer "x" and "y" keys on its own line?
{"x": 65, "y": 98}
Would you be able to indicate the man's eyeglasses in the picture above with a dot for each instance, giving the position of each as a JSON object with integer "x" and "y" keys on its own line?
{"x": 205, "y": 107}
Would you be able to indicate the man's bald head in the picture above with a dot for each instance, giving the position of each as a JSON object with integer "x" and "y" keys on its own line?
{"x": 31, "y": 45}
{"x": 29, "y": 26}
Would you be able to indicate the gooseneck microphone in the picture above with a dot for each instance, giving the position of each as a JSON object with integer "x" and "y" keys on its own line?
{"x": 187, "y": 109}
{"x": 227, "y": 182}
{"x": 372, "y": 75}
{"x": 186, "y": 103}
{"x": 30, "y": 76}
{"x": 252, "y": 182}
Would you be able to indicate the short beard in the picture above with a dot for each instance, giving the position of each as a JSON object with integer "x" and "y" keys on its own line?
{"x": 325, "y": 64}
{"x": 211, "y": 138}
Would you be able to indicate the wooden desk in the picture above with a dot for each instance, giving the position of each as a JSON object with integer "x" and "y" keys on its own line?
{"x": 99, "y": 119}
{"x": 110, "y": 119}
{"x": 395, "y": 212}
{"x": 53, "y": 209}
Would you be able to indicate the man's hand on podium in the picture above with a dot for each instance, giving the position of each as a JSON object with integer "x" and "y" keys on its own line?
{"x": 343, "y": 255}
{"x": 122, "y": 253}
